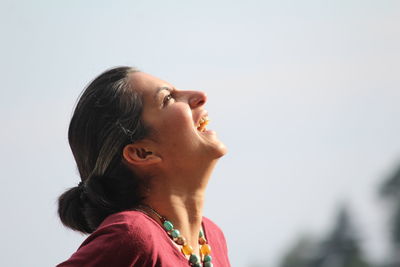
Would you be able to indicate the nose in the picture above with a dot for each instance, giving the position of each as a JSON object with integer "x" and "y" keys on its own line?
{"x": 197, "y": 99}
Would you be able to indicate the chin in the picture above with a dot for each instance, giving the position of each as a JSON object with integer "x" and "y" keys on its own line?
{"x": 220, "y": 150}
{"x": 214, "y": 148}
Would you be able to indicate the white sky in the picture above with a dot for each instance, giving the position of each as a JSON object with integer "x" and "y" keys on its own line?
{"x": 304, "y": 94}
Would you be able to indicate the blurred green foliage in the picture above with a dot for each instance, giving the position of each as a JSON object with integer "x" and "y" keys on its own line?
{"x": 339, "y": 249}
{"x": 390, "y": 191}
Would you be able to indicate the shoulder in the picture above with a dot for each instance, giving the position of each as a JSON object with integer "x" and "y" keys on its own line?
{"x": 212, "y": 227}
{"x": 123, "y": 239}
{"x": 131, "y": 221}
{"x": 217, "y": 241}
{"x": 132, "y": 228}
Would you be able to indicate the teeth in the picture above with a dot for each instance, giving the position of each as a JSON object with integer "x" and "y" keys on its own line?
{"x": 202, "y": 124}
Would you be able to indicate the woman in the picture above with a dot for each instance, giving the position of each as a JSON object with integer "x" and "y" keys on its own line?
{"x": 145, "y": 158}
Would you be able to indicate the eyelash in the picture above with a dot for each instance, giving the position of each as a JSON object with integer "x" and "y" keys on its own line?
{"x": 167, "y": 98}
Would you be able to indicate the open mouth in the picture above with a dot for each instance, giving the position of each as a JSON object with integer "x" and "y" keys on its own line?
{"x": 201, "y": 126}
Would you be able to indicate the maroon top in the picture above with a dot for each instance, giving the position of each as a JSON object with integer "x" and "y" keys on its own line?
{"x": 132, "y": 238}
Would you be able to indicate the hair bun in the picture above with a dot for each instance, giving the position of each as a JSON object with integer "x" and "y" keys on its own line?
{"x": 81, "y": 184}
{"x": 70, "y": 208}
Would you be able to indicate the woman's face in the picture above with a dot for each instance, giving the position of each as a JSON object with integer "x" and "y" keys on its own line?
{"x": 174, "y": 116}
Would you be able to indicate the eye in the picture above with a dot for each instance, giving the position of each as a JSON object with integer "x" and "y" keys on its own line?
{"x": 167, "y": 98}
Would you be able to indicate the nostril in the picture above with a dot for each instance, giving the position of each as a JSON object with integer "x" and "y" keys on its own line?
{"x": 198, "y": 99}
{"x": 201, "y": 102}
{"x": 196, "y": 102}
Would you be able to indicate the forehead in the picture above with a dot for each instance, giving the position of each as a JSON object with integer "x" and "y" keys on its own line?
{"x": 147, "y": 84}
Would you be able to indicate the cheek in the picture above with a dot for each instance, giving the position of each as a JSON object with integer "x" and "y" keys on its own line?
{"x": 178, "y": 122}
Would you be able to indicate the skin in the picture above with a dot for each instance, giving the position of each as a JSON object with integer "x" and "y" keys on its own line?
{"x": 178, "y": 158}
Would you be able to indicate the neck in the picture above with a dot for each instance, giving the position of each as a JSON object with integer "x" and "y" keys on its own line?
{"x": 180, "y": 198}
{"x": 185, "y": 214}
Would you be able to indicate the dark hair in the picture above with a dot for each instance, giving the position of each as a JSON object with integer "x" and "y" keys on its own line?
{"x": 107, "y": 117}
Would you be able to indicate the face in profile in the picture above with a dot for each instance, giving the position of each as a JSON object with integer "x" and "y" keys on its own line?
{"x": 177, "y": 119}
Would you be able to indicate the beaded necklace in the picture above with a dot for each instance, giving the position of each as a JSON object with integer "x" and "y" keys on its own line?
{"x": 187, "y": 250}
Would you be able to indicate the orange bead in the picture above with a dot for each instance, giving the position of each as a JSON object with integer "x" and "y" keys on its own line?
{"x": 205, "y": 249}
{"x": 202, "y": 240}
{"x": 181, "y": 240}
{"x": 187, "y": 249}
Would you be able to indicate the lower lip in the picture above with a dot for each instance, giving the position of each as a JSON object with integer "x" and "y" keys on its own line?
{"x": 209, "y": 132}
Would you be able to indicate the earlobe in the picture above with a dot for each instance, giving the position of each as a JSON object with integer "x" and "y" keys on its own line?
{"x": 137, "y": 155}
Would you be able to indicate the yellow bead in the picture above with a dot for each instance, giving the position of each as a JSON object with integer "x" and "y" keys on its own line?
{"x": 187, "y": 249}
{"x": 205, "y": 249}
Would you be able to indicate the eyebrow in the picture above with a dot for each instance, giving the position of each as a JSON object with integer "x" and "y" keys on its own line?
{"x": 162, "y": 88}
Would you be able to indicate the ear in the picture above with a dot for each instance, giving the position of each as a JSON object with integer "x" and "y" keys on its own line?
{"x": 138, "y": 155}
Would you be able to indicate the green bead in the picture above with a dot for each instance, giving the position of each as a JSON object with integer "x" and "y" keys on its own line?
{"x": 168, "y": 225}
{"x": 197, "y": 265}
{"x": 175, "y": 233}
{"x": 194, "y": 258}
{"x": 201, "y": 234}
{"x": 207, "y": 258}
{"x": 208, "y": 264}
